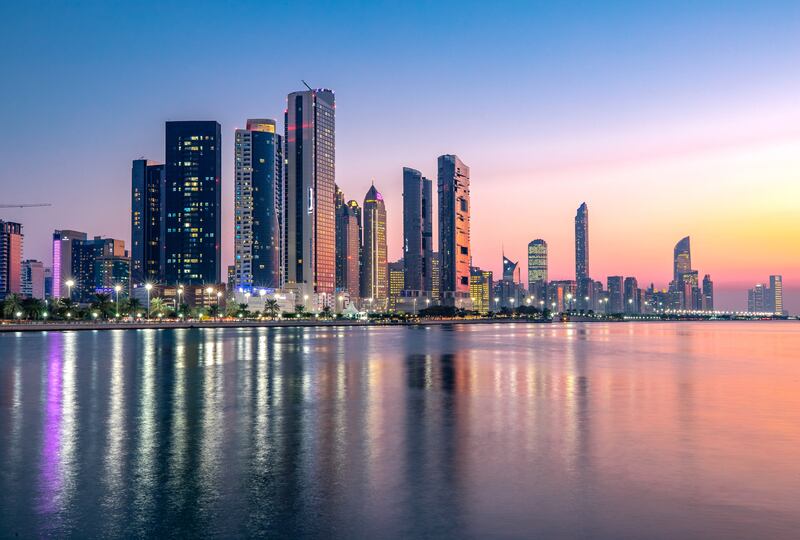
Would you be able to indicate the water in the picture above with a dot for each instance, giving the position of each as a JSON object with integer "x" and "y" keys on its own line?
{"x": 642, "y": 430}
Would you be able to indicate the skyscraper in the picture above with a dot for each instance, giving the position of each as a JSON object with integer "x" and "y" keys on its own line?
{"x": 310, "y": 190}
{"x": 340, "y": 212}
{"x": 348, "y": 248}
{"x": 509, "y": 268}
{"x": 756, "y": 299}
{"x": 11, "y": 240}
{"x": 33, "y": 279}
{"x": 537, "y": 264}
{"x": 88, "y": 265}
{"x": 682, "y": 259}
{"x": 62, "y": 260}
{"x": 708, "y": 293}
{"x": 631, "y": 295}
{"x": 417, "y": 230}
{"x": 582, "y": 243}
{"x": 375, "y": 277}
{"x": 776, "y": 294}
{"x": 454, "y": 229}
{"x": 258, "y": 205}
{"x": 616, "y": 297}
{"x": 192, "y": 203}
{"x": 147, "y": 192}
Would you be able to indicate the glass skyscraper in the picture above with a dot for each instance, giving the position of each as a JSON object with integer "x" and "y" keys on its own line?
{"x": 11, "y": 240}
{"x": 375, "y": 280}
{"x": 681, "y": 259}
{"x": 310, "y": 192}
{"x": 537, "y": 265}
{"x": 258, "y": 205}
{"x": 147, "y": 192}
{"x": 62, "y": 260}
{"x": 582, "y": 243}
{"x": 454, "y": 230}
{"x": 192, "y": 203}
{"x": 417, "y": 230}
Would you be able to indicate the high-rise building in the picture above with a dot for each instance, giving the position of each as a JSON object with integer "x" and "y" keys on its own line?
{"x": 110, "y": 271}
{"x": 631, "y": 295}
{"x": 348, "y": 248}
{"x": 258, "y": 205}
{"x": 582, "y": 242}
{"x": 147, "y": 192}
{"x": 310, "y": 193}
{"x": 417, "y": 230}
{"x": 11, "y": 241}
{"x": 33, "y": 279}
{"x": 436, "y": 277}
{"x": 396, "y": 282}
{"x": 340, "y": 212}
{"x": 375, "y": 279}
{"x": 537, "y": 264}
{"x": 708, "y": 293}
{"x": 454, "y": 229}
{"x": 480, "y": 289}
{"x": 776, "y": 294}
{"x": 756, "y": 299}
{"x": 682, "y": 259}
{"x": 616, "y": 295}
{"x": 62, "y": 260}
{"x": 509, "y": 268}
{"x": 192, "y": 203}
{"x": 87, "y": 271}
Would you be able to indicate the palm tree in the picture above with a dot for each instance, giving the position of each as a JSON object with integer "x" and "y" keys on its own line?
{"x": 33, "y": 308}
{"x": 157, "y": 306}
{"x": 299, "y": 309}
{"x": 11, "y": 306}
{"x": 103, "y": 305}
{"x": 271, "y": 308}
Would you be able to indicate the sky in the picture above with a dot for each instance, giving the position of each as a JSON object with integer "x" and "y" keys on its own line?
{"x": 668, "y": 119}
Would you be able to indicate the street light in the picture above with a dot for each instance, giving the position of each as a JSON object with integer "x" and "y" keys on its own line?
{"x": 117, "y": 289}
{"x": 69, "y": 283}
{"x": 148, "y": 287}
{"x": 180, "y": 292}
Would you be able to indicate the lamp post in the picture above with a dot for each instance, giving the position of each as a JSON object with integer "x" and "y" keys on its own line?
{"x": 415, "y": 306}
{"x": 219, "y": 295}
{"x": 69, "y": 283}
{"x": 496, "y": 302}
{"x": 148, "y": 287}
{"x": 179, "y": 293}
{"x": 117, "y": 289}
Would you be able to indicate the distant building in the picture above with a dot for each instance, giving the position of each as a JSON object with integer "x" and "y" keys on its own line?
{"x": 258, "y": 206}
{"x": 417, "y": 230}
{"x": 454, "y": 230}
{"x": 111, "y": 271}
{"x": 616, "y": 295}
{"x": 33, "y": 279}
{"x": 192, "y": 203}
{"x": 310, "y": 194}
{"x": 88, "y": 266}
{"x": 631, "y": 295}
{"x": 561, "y": 295}
{"x": 375, "y": 279}
{"x": 147, "y": 193}
{"x": 348, "y": 247}
{"x": 708, "y": 293}
{"x": 436, "y": 278}
{"x": 537, "y": 267}
{"x": 11, "y": 242}
{"x": 682, "y": 259}
{"x": 776, "y": 294}
{"x": 480, "y": 289}
{"x": 62, "y": 260}
{"x": 396, "y": 282}
{"x": 582, "y": 276}
{"x": 48, "y": 283}
{"x": 756, "y": 299}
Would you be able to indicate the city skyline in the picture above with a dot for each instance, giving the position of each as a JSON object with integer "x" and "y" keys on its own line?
{"x": 678, "y": 171}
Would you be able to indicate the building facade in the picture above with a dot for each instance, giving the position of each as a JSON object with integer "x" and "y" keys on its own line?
{"x": 454, "y": 230}
{"x": 537, "y": 266}
{"x": 310, "y": 193}
{"x": 33, "y": 279}
{"x": 62, "y": 260}
{"x": 616, "y": 294}
{"x": 417, "y": 230}
{"x": 258, "y": 205}
{"x": 11, "y": 246}
{"x": 708, "y": 293}
{"x": 147, "y": 193}
{"x": 192, "y": 203}
{"x": 375, "y": 280}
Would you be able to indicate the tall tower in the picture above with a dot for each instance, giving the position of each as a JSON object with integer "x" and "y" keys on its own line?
{"x": 417, "y": 230}
{"x": 582, "y": 243}
{"x": 708, "y": 293}
{"x": 681, "y": 260}
{"x": 375, "y": 269}
{"x": 454, "y": 224}
{"x": 310, "y": 192}
{"x": 10, "y": 258}
{"x": 147, "y": 192}
{"x": 776, "y": 293}
{"x": 62, "y": 260}
{"x": 258, "y": 205}
{"x": 192, "y": 225}
{"x": 537, "y": 264}
{"x": 340, "y": 212}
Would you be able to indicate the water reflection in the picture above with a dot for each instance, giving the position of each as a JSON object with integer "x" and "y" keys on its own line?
{"x": 462, "y": 431}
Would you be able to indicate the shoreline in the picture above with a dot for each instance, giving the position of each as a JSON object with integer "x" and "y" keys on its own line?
{"x": 288, "y": 323}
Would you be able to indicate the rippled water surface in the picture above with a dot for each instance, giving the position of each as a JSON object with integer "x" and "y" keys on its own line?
{"x": 641, "y": 430}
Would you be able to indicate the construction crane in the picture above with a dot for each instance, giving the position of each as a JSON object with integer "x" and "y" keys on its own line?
{"x": 34, "y": 205}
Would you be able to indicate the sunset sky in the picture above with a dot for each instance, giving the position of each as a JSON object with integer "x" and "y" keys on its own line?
{"x": 671, "y": 120}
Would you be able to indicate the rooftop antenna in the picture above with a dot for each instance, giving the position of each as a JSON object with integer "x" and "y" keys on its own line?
{"x": 305, "y": 83}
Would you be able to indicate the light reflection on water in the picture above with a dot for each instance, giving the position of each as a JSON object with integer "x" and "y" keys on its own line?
{"x": 658, "y": 430}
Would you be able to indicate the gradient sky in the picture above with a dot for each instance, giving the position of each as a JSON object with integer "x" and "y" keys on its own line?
{"x": 668, "y": 120}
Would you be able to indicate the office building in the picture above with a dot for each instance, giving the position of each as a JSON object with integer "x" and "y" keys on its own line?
{"x": 436, "y": 279}
{"x": 348, "y": 248}
{"x": 62, "y": 260}
{"x": 147, "y": 192}
{"x": 11, "y": 245}
{"x": 616, "y": 294}
{"x": 310, "y": 194}
{"x": 417, "y": 230}
{"x": 776, "y": 294}
{"x": 86, "y": 271}
{"x": 537, "y": 266}
{"x": 756, "y": 299}
{"x": 454, "y": 230}
{"x": 258, "y": 205}
{"x": 111, "y": 271}
{"x": 33, "y": 279}
{"x": 375, "y": 282}
{"x": 192, "y": 203}
{"x": 682, "y": 259}
{"x": 396, "y": 283}
{"x": 631, "y": 295}
{"x": 480, "y": 289}
{"x": 708, "y": 293}
{"x": 582, "y": 242}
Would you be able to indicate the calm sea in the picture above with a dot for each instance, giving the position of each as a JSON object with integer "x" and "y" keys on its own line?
{"x": 641, "y": 430}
